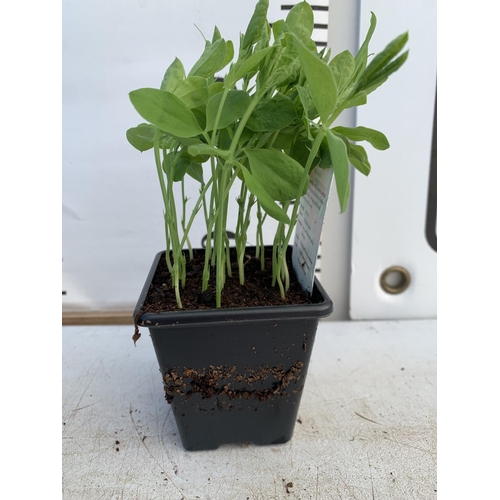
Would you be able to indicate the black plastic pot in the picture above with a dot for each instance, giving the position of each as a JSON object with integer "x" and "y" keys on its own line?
{"x": 234, "y": 375}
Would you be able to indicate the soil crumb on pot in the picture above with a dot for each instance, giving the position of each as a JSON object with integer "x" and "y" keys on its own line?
{"x": 224, "y": 381}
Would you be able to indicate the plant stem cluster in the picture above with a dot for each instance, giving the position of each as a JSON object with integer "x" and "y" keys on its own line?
{"x": 264, "y": 127}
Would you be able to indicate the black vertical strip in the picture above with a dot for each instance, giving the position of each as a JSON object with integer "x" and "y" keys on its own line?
{"x": 431, "y": 218}
{"x": 323, "y": 8}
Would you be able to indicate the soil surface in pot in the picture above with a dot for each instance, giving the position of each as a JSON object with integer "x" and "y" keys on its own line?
{"x": 257, "y": 290}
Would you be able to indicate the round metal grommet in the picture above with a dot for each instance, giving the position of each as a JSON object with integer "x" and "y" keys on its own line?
{"x": 395, "y": 279}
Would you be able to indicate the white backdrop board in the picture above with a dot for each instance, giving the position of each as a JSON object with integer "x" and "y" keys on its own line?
{"x": 112, "y": 207}
{"x": 394, "y": 219}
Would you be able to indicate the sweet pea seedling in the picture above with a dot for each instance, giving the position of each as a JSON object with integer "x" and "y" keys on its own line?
{"x": 266, "y": 126}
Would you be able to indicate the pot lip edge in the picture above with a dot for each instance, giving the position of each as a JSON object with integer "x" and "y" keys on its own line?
{"x": 226, "y": 315}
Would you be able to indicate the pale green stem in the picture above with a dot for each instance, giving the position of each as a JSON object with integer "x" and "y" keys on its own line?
{"x": 183, "y": 222}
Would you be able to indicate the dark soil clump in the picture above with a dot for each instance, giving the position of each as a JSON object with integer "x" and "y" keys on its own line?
{"x": 224, "y": 381}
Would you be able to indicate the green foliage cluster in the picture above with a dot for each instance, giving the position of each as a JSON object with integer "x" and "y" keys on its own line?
{"x": 266, "y": 127}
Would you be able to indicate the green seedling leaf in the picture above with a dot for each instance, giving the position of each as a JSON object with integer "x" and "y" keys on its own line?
{"x": 237, "y": 102}
{"x": 340, "y": 164}
{"x": 311, "y": 45}
{"x": 249, "y": 65}
{"x": 381, "y": 77}
{"x": 358, "y": 100}
{"x": 180, "y": 168}
{"x": 265, "y": 200}
{"x": 277, "y": 172}
{"x": 264, "y": 38}
{"x": 320, "y": 79}
{"x": 279, "y": 28}
{"x": 211, "y": 61}
{"x": 304, "y": 98}
{"x": 377, "y": 139}
{"x": 257, "y": 21}
{"x": 229, "y": 53}
{"x": 167, "y": 141}
{"x": 141, "y": 137}
{"x": 359, "y": 159}
{"x": 173, "y": 76}
{"x": 362, "y": 56}
{"x": 285, "y": 138}
{"x": 166, "y": 164}
{"x": 216, "y": 36}
{"x": 300, "y": 151}
{"x": 205, "y": 149}
{"x": 185, "y": 141}
{"x": 325, "y": 54}
{"x": 286, "y": 73}
{"x": 343, "y": 68}
{"x": 325, "y": 160}
{"x": 166, "y": 111}
{"x": 195, "y": 171}
{"x": 383, "y": 58}
{"x": 300, "y": 20}
{"x": 215, "y": 88}
{"x": 192, "y": 91}
{"x": 245, "y": 136}
{"x": 201, "y": 116}
{"x": 272, "y": 114}
{"x": 225, "y": 139}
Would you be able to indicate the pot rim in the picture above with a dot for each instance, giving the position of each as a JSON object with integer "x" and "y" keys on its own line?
{"x": 321, "y": 309}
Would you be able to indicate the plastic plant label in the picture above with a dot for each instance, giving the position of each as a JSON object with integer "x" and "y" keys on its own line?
{"x": 309, "y": 225}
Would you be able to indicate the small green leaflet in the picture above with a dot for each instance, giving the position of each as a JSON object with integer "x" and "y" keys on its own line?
{"x": 229, "y": 54}
{"x": 216, "y": 36}
{"x": 272, "y": 114}
{"x": 383, "y": 58}
{"x": 173, "y": 76}
{"x": 257, "y": 21}
{"x": 343, "y": 68}
{"x": 265, "y": 200}
{"x": 192, "y": 91}
{"x": 195, "y": 171}
{"x": 359, "y": 159}
{"x": 359, "y": 99}
{"x": 242, "y": 68}
{"x": 340, "y": 164}
{"x": 235, "y": 105}
{"x": 300, "y": 20}
{"x": 211, "y": 61}
{"x": 320, "y": 79}
{"x": 141, "y": 137}
{"x": 279, "y": 174}
{"x": 381, "y": 77}
{"x": 180, "y": 168}
{"x": 377, "y": 139}
{"x": 362, "y": 55}
{"x": 166, "y": 111}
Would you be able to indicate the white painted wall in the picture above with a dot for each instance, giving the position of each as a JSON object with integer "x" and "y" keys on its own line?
{"x": 390, "y": 206}
{"x": 112, "y": 208}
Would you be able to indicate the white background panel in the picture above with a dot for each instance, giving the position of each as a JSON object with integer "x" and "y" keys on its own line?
{"x": 390, "y": 206}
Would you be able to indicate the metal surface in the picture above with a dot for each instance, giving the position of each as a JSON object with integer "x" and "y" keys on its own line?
{"x": 366, "y": 426}
{"x": 402, "y": 283}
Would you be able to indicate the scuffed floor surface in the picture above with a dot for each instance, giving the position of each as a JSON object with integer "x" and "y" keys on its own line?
{"x": 366, "y": 428}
